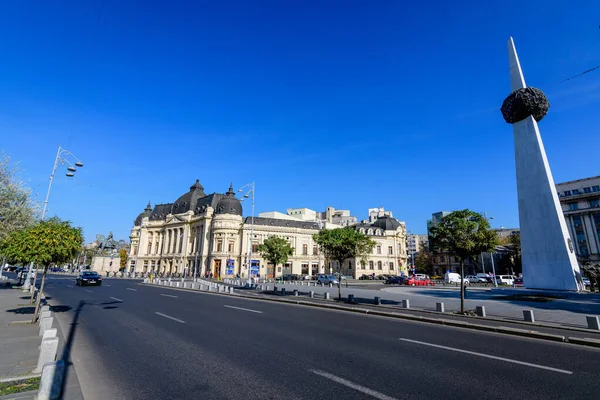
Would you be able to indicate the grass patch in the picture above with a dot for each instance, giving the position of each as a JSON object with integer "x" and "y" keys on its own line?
{"x": 24, "y": 385}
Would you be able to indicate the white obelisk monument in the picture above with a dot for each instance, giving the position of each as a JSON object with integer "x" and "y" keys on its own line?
{"x": 548, "y": 256}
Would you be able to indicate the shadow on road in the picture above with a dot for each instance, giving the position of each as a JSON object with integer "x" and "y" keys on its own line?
{"x": 31, "y": 309}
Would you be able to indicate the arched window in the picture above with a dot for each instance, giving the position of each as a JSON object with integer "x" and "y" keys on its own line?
{"x": 149, "y": 249}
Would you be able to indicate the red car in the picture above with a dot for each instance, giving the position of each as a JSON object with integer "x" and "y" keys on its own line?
{"x": 416, "y": 281}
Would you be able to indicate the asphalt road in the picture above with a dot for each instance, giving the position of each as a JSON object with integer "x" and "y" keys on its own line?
{"x": 130, "y": 341}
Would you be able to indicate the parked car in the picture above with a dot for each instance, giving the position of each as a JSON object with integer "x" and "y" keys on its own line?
{"x": 505, "y": 279}
{"x": 88, "y": 278}
{"x": 415, "y": 281}
{"x": 518, "y": 281}
{"x": 327, "y": 279}
{"x": 475, "y": 279}
{"x": 365, "y": 277}
{"x": 382, "y": 277}
{"x": 453, "y": 277}
{"x": 486, "y": 277}
{"x": 395, "y": 280}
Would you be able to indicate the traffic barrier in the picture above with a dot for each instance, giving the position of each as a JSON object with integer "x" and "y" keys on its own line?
{"x": 311, "y": 294}
{"x": 231, "y": 289}
{"x": 44, "y": 314}
{"x": 326, "y": 295}
{"x": 296, "y": 292}
{"x": 283, "y": 291}
{"x": 50, "y": 333}
{"x": 593, "y": 322}
{"x": 350, "y": 298}
{"x": 377, "y": 300}
{"x": 51, "y": 381}
{"x": 480, "y": 311}
{"x": 45, "y": 324}
{"x": 439, "y": 307}
{"x": 528, "y": 316}
{"x": 405, "y": 303}
{"x": 47, "y": 353}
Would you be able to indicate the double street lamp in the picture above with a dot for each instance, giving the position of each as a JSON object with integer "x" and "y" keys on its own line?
{"x": 62, "y": 159}
{"x": 249, "y": 193}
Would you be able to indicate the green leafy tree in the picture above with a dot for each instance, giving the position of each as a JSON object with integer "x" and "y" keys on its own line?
{"x": 122, "y": 259}
{"x": 45, "y": 243}
{"x": 424, "y": 262}
{"x": 343, "y": 244}
{"x": 464, "y": 234}
{"x": 275, "y": 250}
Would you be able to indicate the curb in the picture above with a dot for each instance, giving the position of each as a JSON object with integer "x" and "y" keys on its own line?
{"x": 19, "y": 378}
{"x": 414, "y": 318}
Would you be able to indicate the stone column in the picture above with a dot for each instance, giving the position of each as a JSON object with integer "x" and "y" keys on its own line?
{"x": 589, "y": 234}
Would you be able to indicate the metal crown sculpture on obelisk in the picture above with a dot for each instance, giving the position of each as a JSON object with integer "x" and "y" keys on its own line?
{"x": 548, "y": 257}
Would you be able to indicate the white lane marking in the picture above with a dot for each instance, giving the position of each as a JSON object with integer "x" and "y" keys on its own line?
{"x": 89, "y": 291}
{"x": 107, "y": 285}
{"x": 69, "y": 286}
{"x": 562, "y": 371}
{"x": 168, "y": 295}
{"x": 353, "y": 385}
{"x": 244, "y": 309}
{"x": 135, "y": 290}
{"x": 168, "y": 316}
{"x": 114, "y": 298}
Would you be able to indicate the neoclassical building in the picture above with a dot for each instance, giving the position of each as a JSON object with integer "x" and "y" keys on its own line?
{"x": 203, "y": 233}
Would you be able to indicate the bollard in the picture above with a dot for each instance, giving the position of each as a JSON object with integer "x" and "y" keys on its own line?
{"x": 47, "y": 353}
{"x": 330, "y": 284}
{"x": 51, "y": 380}
{"x": 45, "y": 325}
{"x": 231, "y": 290}
{"x": 311, "y": 294}
{"x": 593, "y": 322}
{"x": 296, "y": 292}
{"x": 377, "y": 300}
{"x": 528, "y": 316}
{"x": 406, "y": 303}
{"x": 49, "y": 333}
{"x": 326, "y": 295}
{"x": 43, "y": 315}
{"x": 480, "y": 311}
{"x": 350, "y": 298}
{"x": 439, "y": 307}
{"x": 45, "y": 308}
{"x": 283, "y": 291}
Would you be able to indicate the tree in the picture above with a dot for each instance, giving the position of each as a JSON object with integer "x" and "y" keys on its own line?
{"x": 45, "y": 243}
{"x": 275, "y": 250}
{"x": 464, "y": 234}
{"x": 423, "y": 262}
{"x": 342, "y": 244}
{"x": 122, "y": 259}
{"x": 17, "y": 209}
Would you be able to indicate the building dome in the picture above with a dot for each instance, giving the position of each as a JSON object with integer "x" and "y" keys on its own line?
{"x": 229, "y": 204}
{"x": 146, "y": 213}
{"x": 188, "y": 200}
{"x": 386, "y": 223}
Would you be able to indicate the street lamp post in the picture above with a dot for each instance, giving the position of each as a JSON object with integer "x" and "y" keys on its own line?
{"x": 491, "y": 254}
{"x": 61, "y": 158}
{"x": 250, "y": 192}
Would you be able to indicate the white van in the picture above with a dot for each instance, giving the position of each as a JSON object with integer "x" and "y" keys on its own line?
{"x": 505, "y": 279}
{"x": 453, "y": 277}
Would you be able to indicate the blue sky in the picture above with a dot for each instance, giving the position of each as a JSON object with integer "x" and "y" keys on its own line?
{"x": 350, "y": 104}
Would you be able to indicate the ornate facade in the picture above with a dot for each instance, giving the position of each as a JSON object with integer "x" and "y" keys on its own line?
{"x": 207, "y": 234}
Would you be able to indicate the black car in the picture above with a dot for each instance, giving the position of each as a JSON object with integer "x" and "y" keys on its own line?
{"x": 395, "y": 280}
{"x": 89, "y": 278}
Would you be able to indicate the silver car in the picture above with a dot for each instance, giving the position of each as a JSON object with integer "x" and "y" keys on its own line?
{"x": 327, "y": 279}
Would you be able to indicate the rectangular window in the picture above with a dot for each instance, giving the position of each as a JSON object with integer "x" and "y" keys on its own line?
{"x": 255, "y": 247}
{"x": 596, "y": 188}
{"x": 378, "y": 249}
{"x": 576, "y": 191}
{"x": 149, "y": 249}
{"x": 371, "y": 265}
{"x": 587, "y": 190}
{"x": 231, "y": 245}
{"x": 315, "y": 250}
{"x": 304, "y": 269}
{"x": 584, "y": 251}
{"x": 391, "y": 266}
{"x": 390, "y": 250}
{"x": 577, "y": 221}
{"x": 581, "y": 237}
{"x": 567, "y": 192}
{"x": 219, "y": 245}
{"x": 305, "y": 249}
{"x": 379, "y": 265}
{"x": 573, "y": 206}
{"x": 595, "y": 203}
